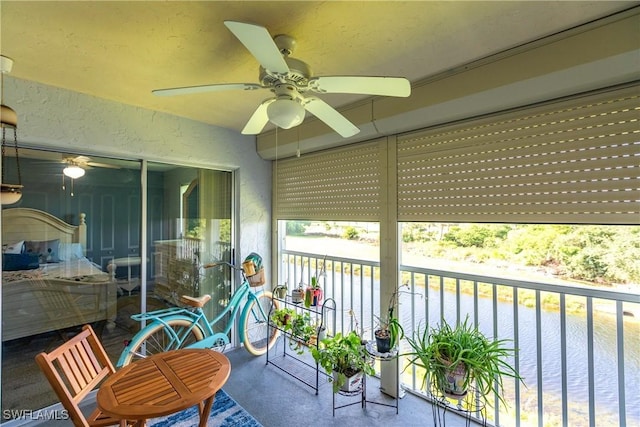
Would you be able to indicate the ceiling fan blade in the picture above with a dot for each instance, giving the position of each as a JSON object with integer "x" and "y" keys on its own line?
{"x": 330, "y": 116}
{"x": 259, "y": 42}
{"x": 258, "y": 119}
{"x": 77, "y": 159}
{"x": 101, "y": 165}
{"x": 205, "y": 88}
{"x": 368, "y": 85}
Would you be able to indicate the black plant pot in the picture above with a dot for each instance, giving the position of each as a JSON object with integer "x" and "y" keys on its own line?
{"x": 383, "y": 345}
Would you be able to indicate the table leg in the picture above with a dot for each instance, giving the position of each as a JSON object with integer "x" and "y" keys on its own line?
{"x": 205, "y": 410}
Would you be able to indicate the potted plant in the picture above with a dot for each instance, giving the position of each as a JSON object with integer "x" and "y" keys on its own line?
{"x": 302, "y": 331}
{"x": 313, "y": 294}
{"x": 456, "y": 357}
{"x": 344, "y": 357}
{"x": 283, "y": 318}
{"x": 389, "y": 331}
{"x": 280, "y": 291}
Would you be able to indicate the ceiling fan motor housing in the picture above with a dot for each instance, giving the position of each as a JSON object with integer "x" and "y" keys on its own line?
{"x": 289, "y": 78}
{"x": 299, "y": 74}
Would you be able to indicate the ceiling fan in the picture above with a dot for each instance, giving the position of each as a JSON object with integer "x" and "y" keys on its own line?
{"x": 289, "y": 78}
{"x": 75, "y": 166}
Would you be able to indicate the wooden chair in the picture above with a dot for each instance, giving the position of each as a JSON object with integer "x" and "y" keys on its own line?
{"x": 73, "y": 370}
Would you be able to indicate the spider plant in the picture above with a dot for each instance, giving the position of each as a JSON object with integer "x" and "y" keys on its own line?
{"x": 445, "y": 349}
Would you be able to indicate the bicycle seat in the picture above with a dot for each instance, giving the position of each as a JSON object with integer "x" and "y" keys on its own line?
{"x": 195, "y": 302}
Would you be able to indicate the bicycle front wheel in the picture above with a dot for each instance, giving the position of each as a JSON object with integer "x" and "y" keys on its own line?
{"x": 255, "y": 324}
{"x": 156, "y": 338}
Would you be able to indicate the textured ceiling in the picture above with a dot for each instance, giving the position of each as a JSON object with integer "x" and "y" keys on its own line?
{"x": 122, "y": 50}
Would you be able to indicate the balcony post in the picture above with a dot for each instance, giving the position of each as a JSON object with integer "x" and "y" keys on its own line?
{"x": 389, "y": 259}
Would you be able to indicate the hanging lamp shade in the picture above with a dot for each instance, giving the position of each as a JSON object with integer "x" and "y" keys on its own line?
{"x": 285, "y": 113}
{"x": 73, "y": 171}
{"x": 11, "y": 193}
{"x": 8, "y": 117}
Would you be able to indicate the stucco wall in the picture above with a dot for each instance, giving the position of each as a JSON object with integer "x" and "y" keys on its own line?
{"x": 55, "y": 118}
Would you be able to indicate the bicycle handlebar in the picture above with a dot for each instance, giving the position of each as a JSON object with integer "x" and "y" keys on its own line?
{"x": 217, "y": 263}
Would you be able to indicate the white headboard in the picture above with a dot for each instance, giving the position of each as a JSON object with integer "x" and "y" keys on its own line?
{"x": 32, "y": 224}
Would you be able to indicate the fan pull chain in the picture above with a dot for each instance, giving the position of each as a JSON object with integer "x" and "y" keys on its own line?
{"x": 15, "y": 138}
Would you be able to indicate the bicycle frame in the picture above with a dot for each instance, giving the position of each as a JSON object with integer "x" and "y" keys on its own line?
{"x": 197, "y": 318}
{"x": 233, "y": 307}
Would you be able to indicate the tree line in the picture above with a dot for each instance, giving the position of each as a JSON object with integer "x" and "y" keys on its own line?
{"x": 594, "y": 253}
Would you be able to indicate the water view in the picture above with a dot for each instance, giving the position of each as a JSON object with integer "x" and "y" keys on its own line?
{"x": 549, "y": 382}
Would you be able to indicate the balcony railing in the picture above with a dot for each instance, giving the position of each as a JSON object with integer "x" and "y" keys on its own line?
{"x": 578, "y": 347}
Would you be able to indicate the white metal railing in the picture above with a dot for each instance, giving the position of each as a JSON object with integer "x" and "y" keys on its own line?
{"x": 578, "y": 347}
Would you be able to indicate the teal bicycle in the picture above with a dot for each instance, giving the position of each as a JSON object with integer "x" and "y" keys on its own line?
{"x": 188, "y": 326}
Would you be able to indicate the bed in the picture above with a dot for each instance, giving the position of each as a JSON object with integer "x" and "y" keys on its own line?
{"x": 59, "y": 287}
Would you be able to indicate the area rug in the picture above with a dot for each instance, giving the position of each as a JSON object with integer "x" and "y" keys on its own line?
{"x": 226, "y": 412}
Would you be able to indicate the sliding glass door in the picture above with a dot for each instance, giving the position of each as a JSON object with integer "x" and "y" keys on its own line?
{"x": 188, "y": 226}
{"x": 112, "y": 265}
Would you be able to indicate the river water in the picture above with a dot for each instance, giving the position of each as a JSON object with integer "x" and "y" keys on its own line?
{"x": 605, "y": 364}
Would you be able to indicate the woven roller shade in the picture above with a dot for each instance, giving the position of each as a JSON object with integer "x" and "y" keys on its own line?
{"x": 341, "y": 185}
{"x": 575, "y": 161}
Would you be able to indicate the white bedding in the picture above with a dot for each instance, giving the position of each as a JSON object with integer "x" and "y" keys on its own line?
{"x": 81, "y": 270}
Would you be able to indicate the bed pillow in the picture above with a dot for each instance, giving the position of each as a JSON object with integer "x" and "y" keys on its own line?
{"x": 70, "y": 251}
{"x": 13, "y": 248}
{"x": 14, "y": 262}
{"x": 47, "y": 250}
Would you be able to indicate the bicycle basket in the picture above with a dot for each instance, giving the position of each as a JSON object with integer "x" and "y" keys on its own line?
{"x": 257, "y": 279}
{"x": 253, "y": 269}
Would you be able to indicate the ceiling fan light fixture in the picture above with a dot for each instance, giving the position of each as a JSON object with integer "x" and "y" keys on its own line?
{"x": 11, "y": 194}
{"x": 73, "y": 171}
{"x": 8, "y": 116}
{"x": 285, "y": 113}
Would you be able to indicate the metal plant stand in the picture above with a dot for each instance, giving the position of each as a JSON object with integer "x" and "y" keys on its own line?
{"x": 392, "y": 355}
{"x": 470, "y": 406}
{"x": 300, "y": 366}
{"x": 360, "y": 391}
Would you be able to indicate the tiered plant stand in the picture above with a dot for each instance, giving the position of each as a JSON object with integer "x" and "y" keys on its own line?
{"x": 466, "y": 406}
{"x": 300, "y": 365}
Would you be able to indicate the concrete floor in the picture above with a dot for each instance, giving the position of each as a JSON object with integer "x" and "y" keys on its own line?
{"x": 274, "y": 398}
{"x": 277, "y": 399}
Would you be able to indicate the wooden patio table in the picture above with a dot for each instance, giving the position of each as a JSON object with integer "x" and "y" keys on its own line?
{"x": 163, "y": 384}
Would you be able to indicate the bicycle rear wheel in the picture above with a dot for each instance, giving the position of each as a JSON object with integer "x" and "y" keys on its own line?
{"x": 254, "y": 322}
{"x": 155, "y": 338}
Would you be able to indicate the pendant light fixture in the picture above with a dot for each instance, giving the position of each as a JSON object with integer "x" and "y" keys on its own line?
{"x": 73, "y": 171}
{"x": 11, "y": 193}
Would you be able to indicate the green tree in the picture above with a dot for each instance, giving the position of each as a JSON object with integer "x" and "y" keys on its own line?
{"x": 604, "y": 254}
{"x": 297, "y": 228}
{"x": 350, "y": 233}
{"x": 477, "y": 235}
